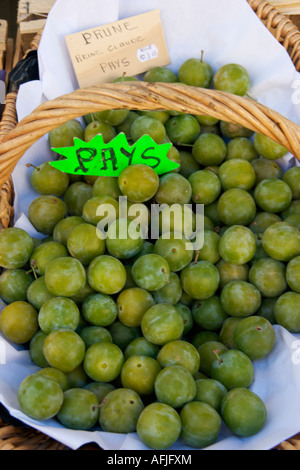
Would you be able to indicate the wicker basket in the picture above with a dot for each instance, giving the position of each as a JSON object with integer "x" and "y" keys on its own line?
{"x": 16, "y": 138}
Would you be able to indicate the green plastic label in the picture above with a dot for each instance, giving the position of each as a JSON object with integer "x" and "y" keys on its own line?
{"x": 96, "y": 158}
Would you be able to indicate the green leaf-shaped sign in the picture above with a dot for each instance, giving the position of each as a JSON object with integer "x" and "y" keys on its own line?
{"x": 109, "y": 159}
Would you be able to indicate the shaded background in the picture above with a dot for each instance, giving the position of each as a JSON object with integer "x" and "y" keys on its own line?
{"x": 8, "y": 12}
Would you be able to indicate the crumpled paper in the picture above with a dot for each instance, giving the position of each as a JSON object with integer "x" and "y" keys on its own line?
{"x": 227, "y": 31}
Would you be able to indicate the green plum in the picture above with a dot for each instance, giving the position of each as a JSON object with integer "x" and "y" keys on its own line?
{"x": 139, "y": 183}
{"x": 99, "y": 309}
{"x": 19, "y": 322}
{"x": 281, "y": 241}
{"x": 232, "y": 78}
{"x": 273, "y": 195}
{"x": 240, "y": 298}
{"x": 255, "y": 336}
{"x": 160, "y": 74}
{"x": 79, "y": 409}
{"x": 139, "y": 373}
{"x": 46, "y": 179}
{"x": 64, "y": 349}
{"x": 268, "y": 148}
{"x": 237, "y": 245}
{"x": 209, "y": 149}
{"x": 233, "y": 369}
{"x": 65, "y": 276}
{"x": 14, "y": 284}
{"x": 209, "y": 313}
{"x": 16, "y": 246}
{"x": 106, "y": 274}
{"x": 44, "y": 212}
{"x": 84, "y": 244}
{"x": 132, "y": 303}
{"x": 151, "y": 272}
{"x": 40, "y": 397}
{"x": 58, "y": 312}
{"x": 63, "y": 135}
{"x": 269, "y": 276}
{"x": 195, "y": 72}
{"x": 201, "y": 424}
{"x": 243, "y": 412}
{"x": 200, "y": 279}
{"x": 179, "y": 352}
{"x": 183, "y": 129}
{"x": 158, "y": 426}
{"x": 43, "y": 254}
{"x": 76, "y": 196}
{"x": 210, "y": 391}
{"x": 161, "y": 323}
{"x": 103, "y": 361}
{"x": 120, "y": 410}
{"x": 174, "y": 385}
{"x": 286, "y": 311}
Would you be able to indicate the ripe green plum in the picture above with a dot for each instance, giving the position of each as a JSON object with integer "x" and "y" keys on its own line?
{"x": 16, "y": 246}
{"x": 237, "y": 245}
{"x": 210, "y": 391}
{"x": 139, "y": 373}
{"x": 174, "y": 385}
{"x": 200, "y": 279}
{"x": 47, "y": 180}
{"x": 64, "y": 349}
{"x": 240, "y": 298}
{"x": 103, "y": 361}
{"x": 132, "y": 303}
{"x": 179, "y": 352}
{"x": 19, "y": 322}
{"x": 57, "y": 313}
{"x": 255, "y": 336}
{"x": 209, "y": 149}
{"x": 268, "y": 148}
{"x": 120, "y": 411}
{"x": 206, "y": 186}
{"x": 106, "y": 275}
{"x": 65, "y": 276}
{"x": 209, "y": 313}
{"x": 161, "y": 323}
{"x": 99, "y": 309}
{"x": 243, "y": 412}
{"x": 183, "y": 129}
{"x": 201, "y": 424}
{"x": 79, "y": 409}
{"x": 14, "y": 284}
{"x": 40, "y": 397}
{"x": 158, "y": 426}
{"x": 233, "y": 369}
{"x": 84, "y": 244}
{"x": 195, "y": 72}
{"x": 232, "y": 78}
{"x": 139, "y": 183}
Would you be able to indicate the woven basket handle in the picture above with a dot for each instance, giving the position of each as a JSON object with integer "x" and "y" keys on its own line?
{"x": 145, "y": 96}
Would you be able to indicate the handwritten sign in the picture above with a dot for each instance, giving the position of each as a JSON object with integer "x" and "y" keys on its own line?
{"x": 109, "y": 159}
{"x": 129, "y": 46}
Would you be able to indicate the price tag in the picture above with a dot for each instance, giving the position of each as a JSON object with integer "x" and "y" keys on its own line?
{"x": 98, "y": 158}
{"x": 129, "y": 46}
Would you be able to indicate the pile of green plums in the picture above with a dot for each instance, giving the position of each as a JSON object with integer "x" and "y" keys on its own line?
{"x": 151, "y": 335}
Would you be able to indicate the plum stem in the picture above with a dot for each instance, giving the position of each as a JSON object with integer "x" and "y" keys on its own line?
{"x": 216, "y": 351}
{"x": 165, "y": 273}
{"x": 33, "y": 166}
